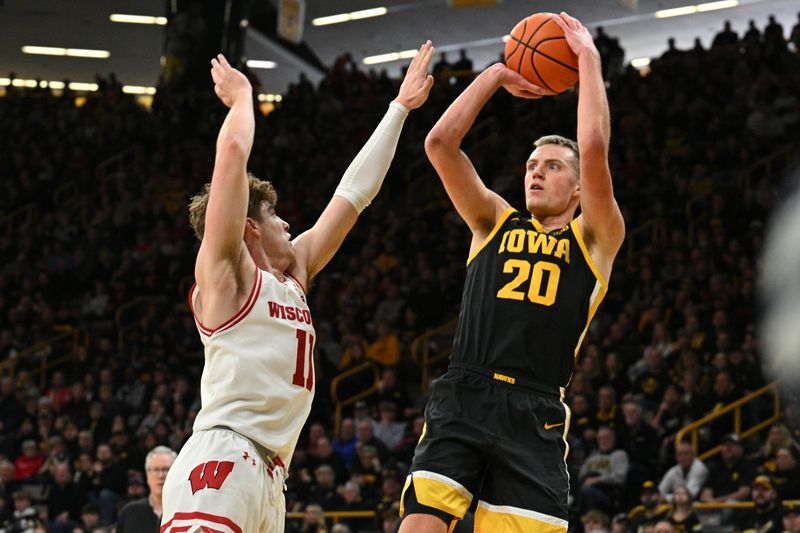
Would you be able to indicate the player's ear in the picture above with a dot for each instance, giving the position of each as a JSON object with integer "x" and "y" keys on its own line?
{"x": 250, "y": 226}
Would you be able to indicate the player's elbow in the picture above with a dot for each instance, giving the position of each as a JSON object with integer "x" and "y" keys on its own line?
{"x": 433, "y": 142}
{"x": 438, "y": 143}
{"x": 234, "y": 145}
{"x": 593, "y": 142}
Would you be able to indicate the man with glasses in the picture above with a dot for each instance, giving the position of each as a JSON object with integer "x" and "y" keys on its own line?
{"x": 144, "y": 516}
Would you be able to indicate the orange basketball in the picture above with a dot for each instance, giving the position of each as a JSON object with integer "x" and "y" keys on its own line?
{"x": 538, "y": 50}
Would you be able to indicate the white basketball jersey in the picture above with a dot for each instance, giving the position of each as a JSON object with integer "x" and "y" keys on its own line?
{"x": 258, "y": 377}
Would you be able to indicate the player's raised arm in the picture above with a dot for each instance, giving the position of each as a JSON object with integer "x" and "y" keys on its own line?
{"x": 221, "y": 249}
{"x": 477, "y": 205}
{"x": 363, "y": 178}
{"x": 602, "y": 222}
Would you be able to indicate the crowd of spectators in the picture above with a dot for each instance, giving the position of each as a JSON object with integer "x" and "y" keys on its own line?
{"x": 675, "y": 338}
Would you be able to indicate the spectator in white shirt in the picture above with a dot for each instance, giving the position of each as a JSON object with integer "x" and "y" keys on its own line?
{"x": 690, "y": 472}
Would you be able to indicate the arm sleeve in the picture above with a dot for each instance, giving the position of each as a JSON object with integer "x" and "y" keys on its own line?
{"x": 363, "y": 178}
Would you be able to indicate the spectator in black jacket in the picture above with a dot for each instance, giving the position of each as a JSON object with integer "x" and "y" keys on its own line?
{"x": 64, "y": 501}
{"x": 730, "y": 475}
{"x": 108, "y": 483}
{"x": 144, "y": 516}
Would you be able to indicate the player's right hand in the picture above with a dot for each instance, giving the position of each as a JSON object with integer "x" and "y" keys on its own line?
{"x": 229, "y": 84}
{"x": 417, "y": 84}
{"x": 517, "y": 85}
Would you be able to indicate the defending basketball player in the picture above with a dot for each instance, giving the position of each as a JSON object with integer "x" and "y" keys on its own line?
{"x": 495, "y": 421}
{"x": 250, "y": 308}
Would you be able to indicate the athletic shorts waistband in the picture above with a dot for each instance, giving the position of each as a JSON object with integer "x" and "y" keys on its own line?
{"x": 266, "y": 455}
{"x": 502, "y": 377}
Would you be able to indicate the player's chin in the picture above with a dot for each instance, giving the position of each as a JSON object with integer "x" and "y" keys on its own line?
{"x": 532, "y": 205}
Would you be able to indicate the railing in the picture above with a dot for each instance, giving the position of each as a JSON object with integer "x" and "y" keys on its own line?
{"x": 334, "y": 516}
{"x": 122, "y": 316}
{"x": 344, "y": 402}
{"x": 777, "y": 161}
{"x": 66, "y": 195}
{"x": 432, "y": 347}
{"x": 701, "y": 506}
{"x": 657, "y": 229}
{"x": 51, "y": 352}
{"x": 115, "y": 163}
{"x": 736, "y": 407}
{"x": 19, "y": 217}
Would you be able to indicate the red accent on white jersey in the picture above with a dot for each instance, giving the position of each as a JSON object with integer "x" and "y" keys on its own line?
{"x": 250, "y": 362}
{"x": 184, "y": 521}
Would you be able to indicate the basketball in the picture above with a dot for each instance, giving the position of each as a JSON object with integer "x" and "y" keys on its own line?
{"x": 538, "y": 50}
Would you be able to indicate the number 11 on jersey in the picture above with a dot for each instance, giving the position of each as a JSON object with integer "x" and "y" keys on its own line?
{"x": 299, "y": 377}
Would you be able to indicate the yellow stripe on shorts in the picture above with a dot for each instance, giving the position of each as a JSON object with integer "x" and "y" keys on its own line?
{"x": 491, "y": 518}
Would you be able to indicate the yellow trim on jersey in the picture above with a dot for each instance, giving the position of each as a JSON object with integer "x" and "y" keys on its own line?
{"x": 579, "y": 237}
{"x": 598, "y": 293}
{"x": 538, "y": 225}
{"x": 498, "y": 224}
{"x": 505, "y": 518}
{"x": 424, "y": 430}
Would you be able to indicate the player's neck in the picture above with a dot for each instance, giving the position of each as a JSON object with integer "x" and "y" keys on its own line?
{"x": 553, "y": 222}
{"x": 273, "y": 265}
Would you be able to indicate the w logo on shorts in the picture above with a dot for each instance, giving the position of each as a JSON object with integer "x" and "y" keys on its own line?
{"x": 210, "y": 475}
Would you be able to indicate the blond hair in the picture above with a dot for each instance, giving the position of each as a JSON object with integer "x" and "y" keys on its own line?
{"x": 566, "y": 143}
{"x": 260, "y": 192}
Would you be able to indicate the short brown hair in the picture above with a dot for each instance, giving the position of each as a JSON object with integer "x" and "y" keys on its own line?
{"x": 261, "y": 191}
{"x": 566, "y": 143}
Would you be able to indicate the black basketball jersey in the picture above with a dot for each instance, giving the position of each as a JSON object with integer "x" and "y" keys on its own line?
{"x": 528, "y": 299}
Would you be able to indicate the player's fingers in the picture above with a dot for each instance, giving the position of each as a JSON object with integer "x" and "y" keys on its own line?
{"x": 420, "y": 59}
{"x": 524, "y": 94}
{"x": 428, "y": 83}
{"x": 223, "y": 61}
{"x": 561, "y": 21}
{"x": 428, "y": 55}
{"x": 573, "y": 22}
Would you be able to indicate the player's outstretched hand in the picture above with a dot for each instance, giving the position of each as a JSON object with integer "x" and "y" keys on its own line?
{"x": 229, "y": 83}
{"x": 517, "y": 85}
{"x": 578, "y": 37}
{"x": 417, "y": 84}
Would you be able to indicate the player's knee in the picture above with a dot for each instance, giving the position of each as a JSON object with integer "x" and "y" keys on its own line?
{"x": 422, "y": 523}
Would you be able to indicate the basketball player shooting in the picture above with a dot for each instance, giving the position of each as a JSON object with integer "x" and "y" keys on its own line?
{"x": 250, "y": 307}
{"x": 496, "y": 423}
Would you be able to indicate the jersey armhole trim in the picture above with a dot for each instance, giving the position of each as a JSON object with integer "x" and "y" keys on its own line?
{"x": 586, "y": 255}
{"x": 245, "y": 309}
{"x": 497, "y": 226}
{"x": 297, "y": 282}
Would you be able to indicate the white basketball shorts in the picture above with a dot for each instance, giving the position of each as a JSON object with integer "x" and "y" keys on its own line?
{"x": 219, "y": 483}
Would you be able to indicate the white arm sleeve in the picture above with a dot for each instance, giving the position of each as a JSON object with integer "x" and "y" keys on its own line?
{"x": 363, "y": 178}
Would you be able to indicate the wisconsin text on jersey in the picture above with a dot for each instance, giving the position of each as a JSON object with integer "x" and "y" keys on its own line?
{"x": 288, "y": 312}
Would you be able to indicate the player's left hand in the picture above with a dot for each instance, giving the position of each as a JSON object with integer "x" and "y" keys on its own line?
{"x": 229, "y": 84}
{"x": 578, "y": 37}
{"x": 417, "y": 84}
